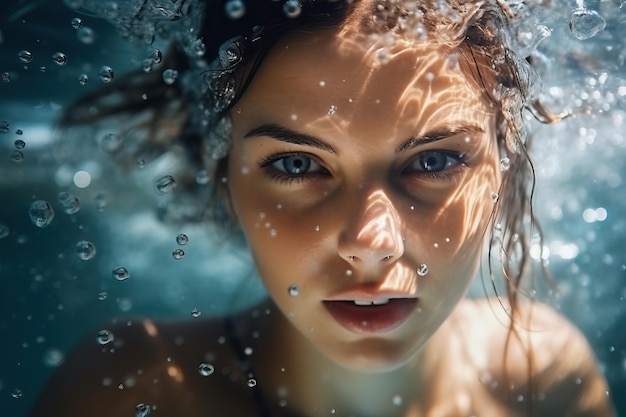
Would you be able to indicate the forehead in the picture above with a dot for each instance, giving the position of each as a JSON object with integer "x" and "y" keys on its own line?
{"x": 327, "y": 71}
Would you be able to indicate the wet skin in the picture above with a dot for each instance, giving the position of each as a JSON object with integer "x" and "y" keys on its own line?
{"x": 347, "y": 174}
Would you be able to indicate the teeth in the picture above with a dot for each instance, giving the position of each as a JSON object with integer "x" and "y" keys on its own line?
{"x": 369, "y": 303}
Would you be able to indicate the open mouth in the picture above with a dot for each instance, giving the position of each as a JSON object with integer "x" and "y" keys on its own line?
{"x": 371, "y": 316}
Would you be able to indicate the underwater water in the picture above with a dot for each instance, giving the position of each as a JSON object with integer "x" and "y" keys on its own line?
{"x": 81, "y": 242}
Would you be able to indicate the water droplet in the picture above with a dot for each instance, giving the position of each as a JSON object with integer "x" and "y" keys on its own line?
{"x": 202, "y": 177}
{"x": 182, "y": 239}
{"x": 248, "y": 351}
{"x": 4, "y": 126}
{"x": 317, "y": 228}
{"x": 142, "y": 410}
{"x": 16, "y": 393}
{"x": 41, "y": 213}
{"x": 292, "y": 8}
{"x": 25, "y": 56}
{"x": 42, "y": 69}
{"x": 195, "y": 313}
{"x": 110, "y": 142}
{"x": 4, "y": 231}
{"x": 157, "y": 56}
{"x": 6, "y": 77}
{"x": 165, "y": 184}
{"x": 397, "y": 400}
{"x": 82, "y": 79}
{"x": 178, "y": 254}
{"x": 16, "y": 156}
{"x": 86, "y": 35}
{"x": 252, "y": 382}
{"x": 494, "y": 197}
{"x": 505, "y": 164}
{"x": 147, "y": 65}
{"x": 120, "y": 273}
{"x": 294, "y": 290}
{"x": 59, "y": 58}
{"x": 206, "y": 369}
{"x": 235, "y": 9}
{"x": 19, "y": 132}
{"x": 20, "y": 144}
{"x": 332, "y": 109}
{"x": 585, "y": 24}
{"x": 422, "y": 270}
{"x": 102, "y": 295}
{"x": 77, "y": 22}
{"x": 170, "y": 76}
{"x": 104, "y": 337}
{"x": 106, "y": 74}
{"x": 85, "y": 250}
{"x": 53, "y": 358}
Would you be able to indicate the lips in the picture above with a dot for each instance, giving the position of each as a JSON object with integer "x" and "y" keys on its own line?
{"x": 370, "y": 317}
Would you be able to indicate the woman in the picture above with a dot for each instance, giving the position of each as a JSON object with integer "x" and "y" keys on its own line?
{"x": 365, "y": 149}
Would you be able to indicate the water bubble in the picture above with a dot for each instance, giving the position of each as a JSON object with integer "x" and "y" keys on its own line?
{"x": 20, "y": 144}
{"x": 106, "y": 74}
{"x": 4, "y": 126}
{"x": 120, "y": 273}
{"x": 141, "y": 163}
{"x": 42, "y": 69}
{"x": 157, "y": 56}
{"x": 422, "y": 270}
{"x": 85, "y": 250}
{"x": 69, "y": 202}
{"x": 248, "y": 351}
{"x": 235, "y": 9}
{"x": 494, "y": 197}
{"x": 86, "y": 35}
{"x": 332, "y": 109}
{"x": 198, "y": 48}
{"x": 142, "y": 410}
{"x": 505, "y": 164}
{"x": 147, "y": 65}
{"x": 25, "y": 56}
{"x": 178, "y": 254}
{"x": 585, "y": 24}
{"x": 170, "y": 76}
{"x": 182, "y": 239}
{"x": 4, "y": 231}
{"x": 102, "y": 200}
{"x": 104, "y": 337}
{"x": 206, "y": 369}
{"x": 82, "y": 79}
{"x": 292, "y": 8}
{"x": 53, "y": 358}
{"x": 110, "y": 142}
{"x": 16, "y": 393}
{"x": 165, "y": 184}
{"x": 16, "y": 156}
{"x": 294, "y": 290}
{"x": 202, "y": 177}
{"x": 19, "y": 132}
{"x": 195, "y": 313}
{"x": 6, "y": 77}
{"x": 397, "y": 400}
{"x": 252, "y": 382}
{"x": 41, "y": 213}
{"x": 59, "y": 58}
{"x": 102, "y": 295}
{"x": 77, "y": 22}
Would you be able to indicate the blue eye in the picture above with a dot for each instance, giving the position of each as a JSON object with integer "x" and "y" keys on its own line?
{"x": 436, "y": 161}
{"x": 296, "y": 164}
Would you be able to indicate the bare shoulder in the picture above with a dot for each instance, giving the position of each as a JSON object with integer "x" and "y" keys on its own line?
{"x": 544, "y": 356}
{"x": 179, "y": 368}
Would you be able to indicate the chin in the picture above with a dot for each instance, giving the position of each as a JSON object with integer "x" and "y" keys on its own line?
{"x": 374, "y": 356}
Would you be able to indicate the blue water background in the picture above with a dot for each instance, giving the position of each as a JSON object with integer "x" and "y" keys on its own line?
{"x": 50, "y": 299}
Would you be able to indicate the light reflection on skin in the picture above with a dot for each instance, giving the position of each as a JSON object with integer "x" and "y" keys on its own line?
{"x": 376, "y": 216}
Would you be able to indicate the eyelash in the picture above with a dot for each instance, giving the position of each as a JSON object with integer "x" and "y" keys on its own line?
{"x": 283, "y": 177}
{"x": 446, "y": 174}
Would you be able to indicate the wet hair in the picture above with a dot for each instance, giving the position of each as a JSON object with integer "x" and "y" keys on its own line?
{"x": 482, "y": 32}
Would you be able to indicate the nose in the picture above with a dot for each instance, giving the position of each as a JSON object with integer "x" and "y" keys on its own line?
{"x": 373, "y": 235}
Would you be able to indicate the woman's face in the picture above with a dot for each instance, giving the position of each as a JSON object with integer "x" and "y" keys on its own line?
{"x": 364, "y": 184}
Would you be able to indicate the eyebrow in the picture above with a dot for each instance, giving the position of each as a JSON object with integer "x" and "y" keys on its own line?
{"x": 290, "y": 136}
{"x": 438, "y": 134}
{"x": 284, "y": 134}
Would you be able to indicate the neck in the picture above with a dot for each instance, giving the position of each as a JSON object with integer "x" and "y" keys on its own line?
{"x": 312, "y": 384}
